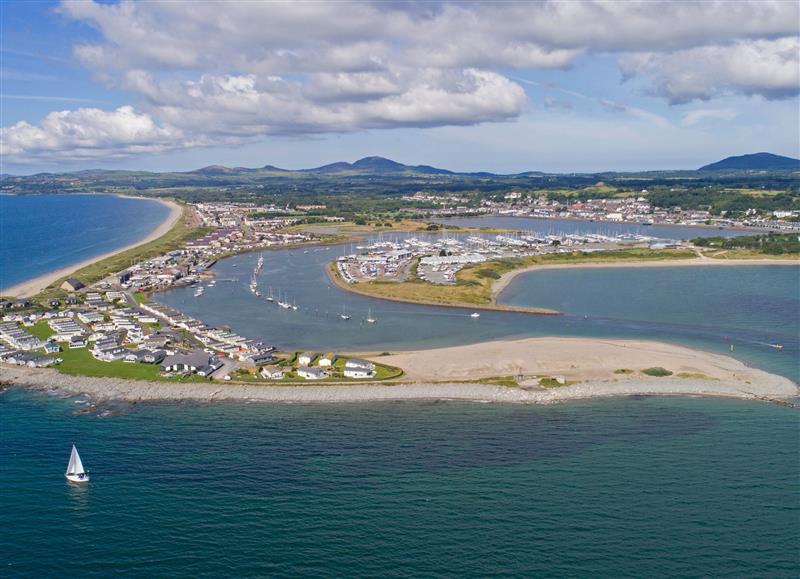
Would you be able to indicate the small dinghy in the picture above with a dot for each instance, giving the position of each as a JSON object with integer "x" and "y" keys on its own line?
{"x": 75, "y": 472}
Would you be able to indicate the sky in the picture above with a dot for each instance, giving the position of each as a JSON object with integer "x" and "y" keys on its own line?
{"x": 564, "y": 86}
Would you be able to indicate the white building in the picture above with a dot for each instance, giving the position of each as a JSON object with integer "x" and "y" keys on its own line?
{"x": 356, "y": 368}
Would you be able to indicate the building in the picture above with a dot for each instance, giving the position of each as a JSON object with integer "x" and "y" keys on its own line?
{"x": 327, "y": 360}
{"x": 72, "y": 285}
{"x": 51, "y": 348}
{"x": 356, "y": 368}
{"x": 272, "y": 372}
{"x": 311, "y": 373}
{"x": 185, "y": 362}
{"x": 306, "y": 358}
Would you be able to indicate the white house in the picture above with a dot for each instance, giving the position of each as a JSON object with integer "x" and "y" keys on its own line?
{"x": 272, "y": 372}
{"x": 356, "y": 368}
{"x": 327, "y": 360}
{"x": 305, "y": 358}
{"x": 311, "y": 373}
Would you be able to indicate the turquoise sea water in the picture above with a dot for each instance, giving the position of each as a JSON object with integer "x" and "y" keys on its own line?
{"x": 618, "y": 488}
{"x": 43, "y": 233}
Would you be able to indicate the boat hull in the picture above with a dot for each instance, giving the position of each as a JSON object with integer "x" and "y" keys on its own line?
{"x": 74, "y": 478}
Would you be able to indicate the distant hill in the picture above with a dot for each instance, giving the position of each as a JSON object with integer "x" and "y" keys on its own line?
{"x": 379, "y": 165}
{"x": 754, "y": 162}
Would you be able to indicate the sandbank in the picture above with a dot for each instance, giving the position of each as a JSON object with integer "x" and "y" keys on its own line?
{"x": 34, "y": 286}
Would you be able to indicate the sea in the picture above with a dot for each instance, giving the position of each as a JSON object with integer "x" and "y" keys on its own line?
{"x": 43, "y": 233}
{"x": 629, "y": 487}
{"x": 634, "y": 487}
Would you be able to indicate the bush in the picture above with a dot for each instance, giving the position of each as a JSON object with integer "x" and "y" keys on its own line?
{"x": 487, "y": 272}
{"x": 657, "y": 371}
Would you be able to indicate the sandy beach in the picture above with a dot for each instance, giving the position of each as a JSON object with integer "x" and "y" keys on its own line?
{"x": 502, "y": 283}
{"x": 33, "y": 286}
{"x": 441, "y": 374}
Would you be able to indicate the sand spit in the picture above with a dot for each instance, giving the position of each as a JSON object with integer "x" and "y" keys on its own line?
{"x": 34, "y": 286}
{"x": 430, "y": 376}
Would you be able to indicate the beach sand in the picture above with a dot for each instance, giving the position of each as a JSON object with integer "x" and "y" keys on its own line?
{"x": 502, "y": 283}
{"x": 577, "y": 359}
{"x": 435, "y": 374}
{"x": 34, "y": 286}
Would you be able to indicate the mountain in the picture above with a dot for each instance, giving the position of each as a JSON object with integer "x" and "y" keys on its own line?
{"x": 378, "y": 165}
{"x": 754, "y": 162}
{"x": 215, "y": 170}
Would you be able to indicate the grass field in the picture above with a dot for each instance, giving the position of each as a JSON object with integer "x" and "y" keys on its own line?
{"x": 474, "y": 283}
{"x": 382, "y": 372}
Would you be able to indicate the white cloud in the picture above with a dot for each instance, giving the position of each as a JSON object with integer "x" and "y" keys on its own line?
{"x": 770, "y": 68}
{"x": 233, "y": 71}
{"x": 87, "y": 133}
{"x": 696, "y": 116}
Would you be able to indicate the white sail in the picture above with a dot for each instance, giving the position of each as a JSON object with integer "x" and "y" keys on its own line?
{"x": 75, "y": 465}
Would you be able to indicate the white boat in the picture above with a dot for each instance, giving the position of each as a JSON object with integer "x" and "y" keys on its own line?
{"x": 370, "y": 319}
{"x": 198, "y": 292}
{"x": 75, "y": 471}
{"x": 474, "y": 315}
{"x": 269, "y": 297}
{"x": 777, "y": 346}
{"x": 344, "y": 315}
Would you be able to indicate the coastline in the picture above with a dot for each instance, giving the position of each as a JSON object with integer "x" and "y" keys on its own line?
{"x": 503, "y": 282}
{"x": 451, "y": 373}
{"x": 33, "y": 286}
{"x": 495, "y": 307}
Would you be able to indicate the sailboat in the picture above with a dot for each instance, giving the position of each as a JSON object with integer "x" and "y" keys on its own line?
{"x": 370, "y": 319}
{"x": 269, "y": 297}
{"x": 75, "y": 472}
{"x": 344, "y": 315}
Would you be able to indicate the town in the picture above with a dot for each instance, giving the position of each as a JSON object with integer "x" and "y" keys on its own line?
{"x": 112, "y": 321}
{"x": 635, "y": 208}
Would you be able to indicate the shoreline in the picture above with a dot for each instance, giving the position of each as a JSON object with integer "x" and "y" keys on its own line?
{"x": 33, "y": 286}
{"x": 493, "y": 306}
{"x": 114, "y": 390}
{"x": 459, "y": 373}
{"x": 505, "y": 280}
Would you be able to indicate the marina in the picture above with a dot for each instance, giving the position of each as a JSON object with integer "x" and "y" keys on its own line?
{"x": 706, "y": 318}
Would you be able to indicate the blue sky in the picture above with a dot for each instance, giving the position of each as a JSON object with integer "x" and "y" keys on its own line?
{"x": 558, "y": 87}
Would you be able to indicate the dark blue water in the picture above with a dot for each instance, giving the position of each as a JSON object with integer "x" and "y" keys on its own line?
{"x": 43, "y": 233}
{"x": 622, "y": 488}
{"x": 561, "y": 226}
{"x": 707, "y": 308}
